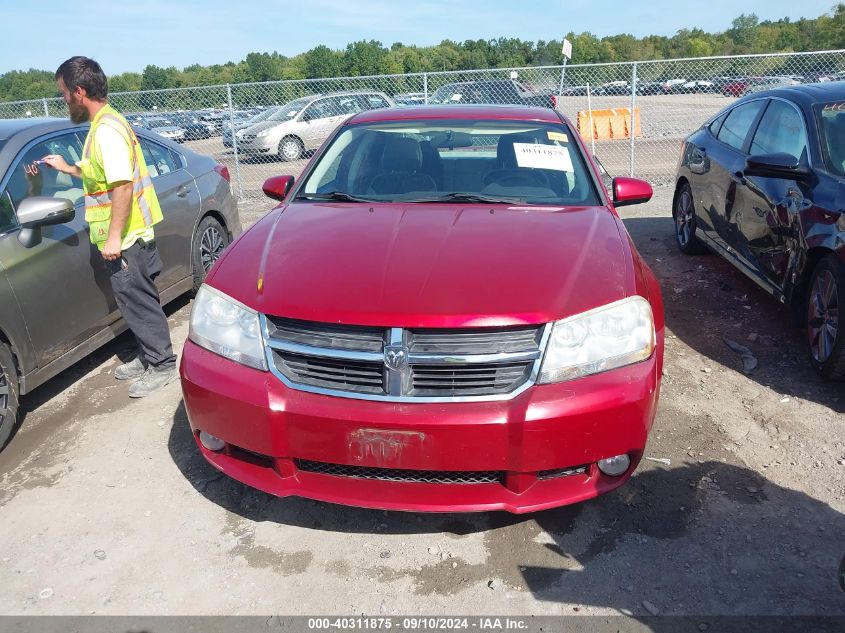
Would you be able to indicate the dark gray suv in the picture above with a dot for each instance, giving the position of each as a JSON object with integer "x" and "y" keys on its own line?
{"x": 56, "y": 304}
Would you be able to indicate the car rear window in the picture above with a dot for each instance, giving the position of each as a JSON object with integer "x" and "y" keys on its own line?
{"x": 437, "y": 160}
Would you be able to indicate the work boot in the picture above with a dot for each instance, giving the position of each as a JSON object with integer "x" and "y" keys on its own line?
{"x": 135, "y": 368}
{"x": 153, "y": 379}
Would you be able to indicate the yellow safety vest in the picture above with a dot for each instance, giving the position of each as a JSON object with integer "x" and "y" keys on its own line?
{"x": 98, "y": 196}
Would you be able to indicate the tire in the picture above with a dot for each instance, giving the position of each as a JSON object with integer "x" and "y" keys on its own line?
{"x": 9, "y": 394}
{"x": 825, "y": 333}
{"x": 290, "y": 148}
{"x": 683, "y": 213}
{"x": 209, "y": 241}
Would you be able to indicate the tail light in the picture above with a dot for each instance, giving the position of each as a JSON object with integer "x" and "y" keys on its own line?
{"x": 223, "y": 171}
{"x": 554, "y": 101}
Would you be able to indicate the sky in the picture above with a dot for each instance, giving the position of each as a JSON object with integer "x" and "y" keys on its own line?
{"x": 126, "y": 36}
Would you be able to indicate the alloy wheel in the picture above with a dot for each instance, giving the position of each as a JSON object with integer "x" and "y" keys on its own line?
{"x": 684, "y": 218}
{"x": 211, "y": 245}
{"x": 290, "y": 149}
{"x": 823, "y": 321}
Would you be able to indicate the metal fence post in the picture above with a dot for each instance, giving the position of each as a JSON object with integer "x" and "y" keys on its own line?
{"x": 234, "y": 142}
{"x": 46, "y": 109}
{"x": 633, "y": 129}
{"x": 425, "y": 86}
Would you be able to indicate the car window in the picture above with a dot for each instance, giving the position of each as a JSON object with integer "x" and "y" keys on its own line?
{"x": 716, "y": 124}
{"x": 31, "y": 179}
{"x": 7, "y": 213}
{"x": 349, "y": 104}
{"x": 159, "y": 159}
{"x": 781, "y": 129}
{"x": 436, "y": 160}
{"x": 373, "y": 102}
{"x": 830, "y": 119}
{"x": 318, "y": 110}
{"x": 738, "y": 122}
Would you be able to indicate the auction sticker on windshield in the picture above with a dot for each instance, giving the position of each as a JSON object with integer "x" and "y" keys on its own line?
{"x": 543, "y": 156}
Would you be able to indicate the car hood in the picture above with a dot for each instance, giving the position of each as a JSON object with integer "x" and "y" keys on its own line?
{"x": 427, "y": 265}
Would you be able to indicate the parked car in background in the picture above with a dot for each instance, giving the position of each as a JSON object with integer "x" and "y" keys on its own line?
{"x": 491, "y": 91}
{"x": 767, "y": 83}
{"x": 445, "y": 313}
{"x": 761, "y": 185}
{"x": 409, "y": 98}
{"x": 195, "y": 128}
{"x": 56, "y": 303}
{"x": 303, "y": 124}
{"x": 164, "y": 126}
{"x": 670, "y": 85}
{"x": 614, "y": 88}
{"x": 242, "y": 124}
{"x": 649, "y": 88}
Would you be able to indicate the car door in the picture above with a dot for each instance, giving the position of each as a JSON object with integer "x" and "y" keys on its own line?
{"x": 766, "y": 207}
{"x": 314, "y": 123}
{"x": 180, "y": 205}
{"x": 726, "y": 159}
{"x": 61, "y": 284}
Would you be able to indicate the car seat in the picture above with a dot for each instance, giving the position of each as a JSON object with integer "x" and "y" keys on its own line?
{"x": 401, "y": 169}
{"x": 507, "y": 172}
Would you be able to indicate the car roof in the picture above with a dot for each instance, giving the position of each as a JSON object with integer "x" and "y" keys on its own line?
{"x": 808, "y": 94}
{"x": 468, "y": 111}
{"x": 30, "y": 127}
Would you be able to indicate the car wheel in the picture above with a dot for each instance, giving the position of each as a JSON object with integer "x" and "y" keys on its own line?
{"x": 209, "y": 241}
{"x": 683, "y": 212}
{"x": 8, "y": 394}
{"x": 824, "y": 332}
{"x": 290, "y": 148}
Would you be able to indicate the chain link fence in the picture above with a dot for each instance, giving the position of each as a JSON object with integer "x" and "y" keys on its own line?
{"x": 632, "y": 115}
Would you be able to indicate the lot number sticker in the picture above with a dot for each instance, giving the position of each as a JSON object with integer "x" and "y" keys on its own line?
{"x": 543, "y": 156}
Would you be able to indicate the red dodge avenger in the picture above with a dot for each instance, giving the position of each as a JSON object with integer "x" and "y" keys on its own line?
{"x": 445, "y": 313}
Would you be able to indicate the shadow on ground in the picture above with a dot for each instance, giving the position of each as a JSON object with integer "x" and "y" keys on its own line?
{"x": 737, "y": 542}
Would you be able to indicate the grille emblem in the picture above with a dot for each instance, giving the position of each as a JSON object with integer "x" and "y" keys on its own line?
{"x": 396, "y": 357}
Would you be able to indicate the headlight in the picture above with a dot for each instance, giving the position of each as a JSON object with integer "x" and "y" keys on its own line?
{"x": 226, "y": 327}
{"x": 608, "y": 337}
{"x": 263, "y": 133}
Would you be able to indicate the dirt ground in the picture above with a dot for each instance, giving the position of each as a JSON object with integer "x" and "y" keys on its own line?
{"x": 106, "y": 507}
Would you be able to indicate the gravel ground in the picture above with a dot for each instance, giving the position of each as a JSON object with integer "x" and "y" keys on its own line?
{"x": 107, "y": 507}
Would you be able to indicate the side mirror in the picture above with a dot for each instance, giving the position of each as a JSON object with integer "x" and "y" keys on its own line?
{"x": 630, "y": 191}
{"x": 778, "y": 165}
{"x": 38, "y": 211}
{"x": 277, "y": 187}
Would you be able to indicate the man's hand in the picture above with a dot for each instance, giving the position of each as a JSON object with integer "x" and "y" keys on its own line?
{"x": 111, "y": 249}
{"x": 57, "y": 162}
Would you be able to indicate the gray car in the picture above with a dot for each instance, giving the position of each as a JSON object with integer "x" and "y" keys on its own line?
{"x": 303, "y": 124}
{"x": 56, "y": 304}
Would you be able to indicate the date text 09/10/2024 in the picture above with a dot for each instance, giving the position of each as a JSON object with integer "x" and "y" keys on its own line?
{"x": 416, "y": 623}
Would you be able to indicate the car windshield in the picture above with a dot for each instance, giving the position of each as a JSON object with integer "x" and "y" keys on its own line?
{"x": 831, "y": 124}
{"x": 154, "y": 123}
{"x": 290, "y": 109}
{"x": 450, "y": 93}
{"x": 262, "y": 116}
{"x": 491, "y": 161}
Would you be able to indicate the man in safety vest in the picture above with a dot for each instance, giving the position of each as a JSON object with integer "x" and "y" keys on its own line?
{"x": 121, "y": 208}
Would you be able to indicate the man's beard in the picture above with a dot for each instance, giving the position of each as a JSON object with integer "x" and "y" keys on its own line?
{"x": 78, "y": 112}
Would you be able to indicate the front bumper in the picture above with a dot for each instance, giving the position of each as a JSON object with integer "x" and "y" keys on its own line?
{"x": 275, "y": 434}
{"x": 255, "y": 146}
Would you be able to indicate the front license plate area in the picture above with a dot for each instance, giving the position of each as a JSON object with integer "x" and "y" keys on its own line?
{"x": 384, "y": 449}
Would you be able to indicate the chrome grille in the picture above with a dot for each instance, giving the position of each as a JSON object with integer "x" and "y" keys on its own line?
{"x": 333, "y": 374}
{"x": 439, "y": 380}
{"x": 399, "y": 364}
{"x": 405, "y": 476}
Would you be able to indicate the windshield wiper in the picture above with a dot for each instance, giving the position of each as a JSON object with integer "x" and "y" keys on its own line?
{"x": 333, "y": 195}
{"x": 469, "y": 197}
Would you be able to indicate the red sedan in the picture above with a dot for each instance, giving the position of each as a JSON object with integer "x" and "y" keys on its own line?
{"x": 445, "y": 313}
